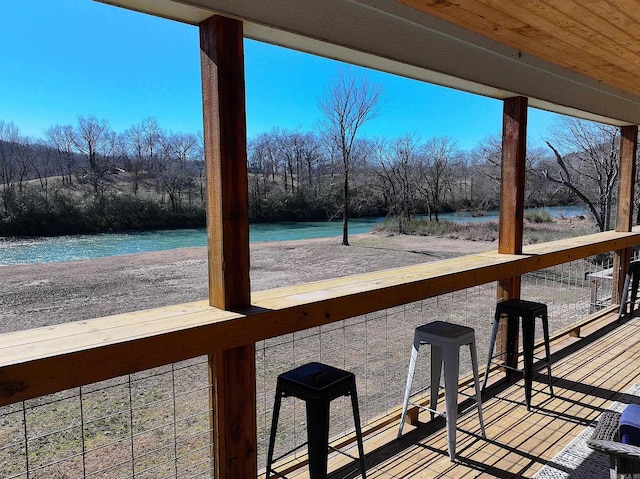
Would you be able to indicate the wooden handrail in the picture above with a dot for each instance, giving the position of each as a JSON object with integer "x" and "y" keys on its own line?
{"x": 50, "y": 359}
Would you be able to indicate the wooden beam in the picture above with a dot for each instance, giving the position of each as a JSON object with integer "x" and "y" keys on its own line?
{"x": 232, "y": 371}
{"x": 514, "y": 151}
{"x": 226, "y": 162}
{"x": 511, "y": 223}
{"x": 624, "y": 216}
{"x": 626, "y": 177}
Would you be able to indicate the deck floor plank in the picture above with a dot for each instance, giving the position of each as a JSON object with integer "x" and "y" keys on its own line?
{"x": 519, "y": 442}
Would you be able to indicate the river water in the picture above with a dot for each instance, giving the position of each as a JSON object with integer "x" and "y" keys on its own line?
{"x": 75, "y": 247}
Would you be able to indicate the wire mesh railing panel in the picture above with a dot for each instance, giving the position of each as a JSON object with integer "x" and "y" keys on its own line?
{"x": 571, "y": 291}
{"x": 152, "y": 424}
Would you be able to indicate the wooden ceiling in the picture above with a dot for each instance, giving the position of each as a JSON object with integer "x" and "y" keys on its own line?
{"x": 597, "y": 38}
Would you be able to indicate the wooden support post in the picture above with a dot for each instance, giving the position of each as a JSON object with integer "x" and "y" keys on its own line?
{"x": 514, "y": 151}
{"x": 412, "y": 415}
{"x": 511, "y": 226}
{"x": 624, "y": 216}
{"x": 232, "y": 372}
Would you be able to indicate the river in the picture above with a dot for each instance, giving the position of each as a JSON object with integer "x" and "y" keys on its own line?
{"x": 75, "y": 247}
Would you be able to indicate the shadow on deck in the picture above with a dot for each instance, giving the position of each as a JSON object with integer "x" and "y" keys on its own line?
{"x": 589, "y": 373}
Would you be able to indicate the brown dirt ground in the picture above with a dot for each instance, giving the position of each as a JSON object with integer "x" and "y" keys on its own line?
{"x": 45, "y": 294}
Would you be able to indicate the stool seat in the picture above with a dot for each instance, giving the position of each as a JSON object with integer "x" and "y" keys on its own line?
{"x": 316, "y": 381}
{"x": 520, "y": 307}
{"x": 441, "y": 332}
{"x": 632, "y": 279}
{"x": 445, "y": 340}
{"x": 317, "y": 384}
{"x": 524, "y": 312}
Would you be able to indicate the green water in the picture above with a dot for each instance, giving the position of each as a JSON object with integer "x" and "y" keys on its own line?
{"x": 77, "y": 247}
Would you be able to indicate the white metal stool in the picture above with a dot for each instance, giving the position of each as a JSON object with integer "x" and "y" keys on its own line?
{"x": 445, "y": 340}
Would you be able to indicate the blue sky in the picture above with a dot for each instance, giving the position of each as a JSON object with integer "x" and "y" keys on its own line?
{"x": 67, "y": 58}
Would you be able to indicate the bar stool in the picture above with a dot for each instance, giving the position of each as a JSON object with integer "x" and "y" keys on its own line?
{"x": 633, "y": 277}
{"x": 527, "y": 311}
{"x": 445, "y": 340}
{"x": 317, "y": 384}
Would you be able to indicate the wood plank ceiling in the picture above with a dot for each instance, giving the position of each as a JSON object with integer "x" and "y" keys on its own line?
{"x": 597, "y": 38}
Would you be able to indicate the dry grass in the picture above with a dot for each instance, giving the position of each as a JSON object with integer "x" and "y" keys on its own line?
{"x": 538, "y": 229}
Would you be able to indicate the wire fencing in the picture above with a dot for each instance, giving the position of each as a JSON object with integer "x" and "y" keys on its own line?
{"x": 152, "y": 424}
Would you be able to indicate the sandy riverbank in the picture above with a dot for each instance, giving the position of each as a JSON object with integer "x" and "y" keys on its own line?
{"x": 45, "y": 294}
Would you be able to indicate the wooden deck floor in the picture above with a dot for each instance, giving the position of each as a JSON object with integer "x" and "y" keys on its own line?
{"x": 589, "y": 373}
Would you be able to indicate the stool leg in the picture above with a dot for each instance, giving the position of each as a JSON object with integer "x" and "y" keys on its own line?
{"x": 436, "y": 374}
{"x": 511, "y": 359}
{"x": 407, "y": 392}
{"x": 318, "y": 438}
{"x": 527, "y": 346}
{"x": 476, "y": 382}
{"x": 274, "y": 426}
{"x": 356, "y": 419}
{"x": 625, "y": 296}
{"x": 451, "y": 370}
{"x": 634, "y": 291}
{"x": 492, "y": 345}
{"x": 547, "y": 348}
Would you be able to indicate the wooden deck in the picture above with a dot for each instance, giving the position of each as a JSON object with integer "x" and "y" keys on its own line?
{"x": 589, "y": 373}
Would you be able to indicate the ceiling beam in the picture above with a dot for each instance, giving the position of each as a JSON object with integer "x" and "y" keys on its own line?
{"x": 388, "y": 36}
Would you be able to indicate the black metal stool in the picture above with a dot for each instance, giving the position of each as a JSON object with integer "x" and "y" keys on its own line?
{"x": 633, "y": 277}
{"x": 527, "y": 311}
{"x": 317, "y": 384}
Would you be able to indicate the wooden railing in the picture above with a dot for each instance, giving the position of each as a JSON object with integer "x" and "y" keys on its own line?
{"x": 41, "y": 361}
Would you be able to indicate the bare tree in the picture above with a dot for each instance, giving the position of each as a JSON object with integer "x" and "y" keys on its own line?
{"x": 589, "y": 165}
{"x": 264, "y": 155}
{"x": 438, "y": 156}
{"x": 485, "y": 170}
{"x": 181, "y": 150}
{"x": 397, "y": 177}
{"x": 9, "y": 137}
{"x": 264, "y": 161}
{"x": 287, "y": 150}
{"x": 309, "y": 153}
{"x": 41, "y": 165}
{"x": 97, "y": 144}
{"x": 539, "y": 191}
{"x": 143, "y": 145}
{"x": 25, "y": 156}
{"x": 199, "y": 167}
{"x": 347, "y": 104}
{"x": 61, "y": 138}
{"x": 484, "y": 183}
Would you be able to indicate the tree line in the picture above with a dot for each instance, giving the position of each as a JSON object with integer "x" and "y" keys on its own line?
{"x": 87, "y": 178}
